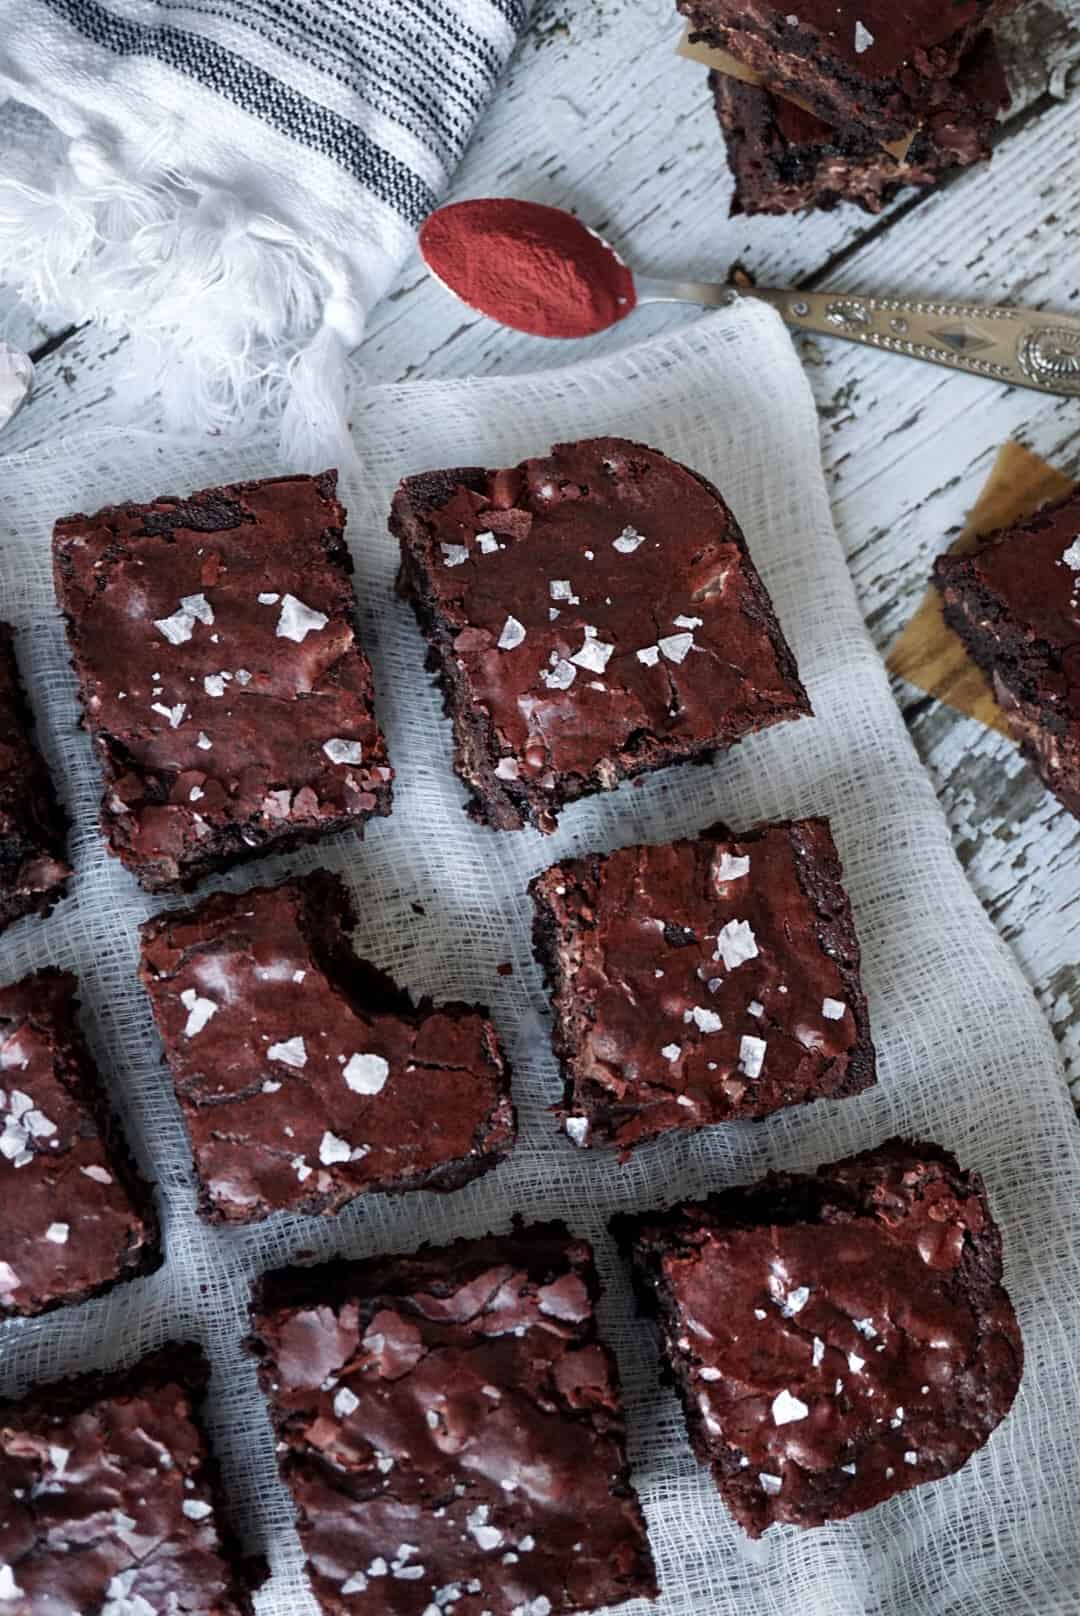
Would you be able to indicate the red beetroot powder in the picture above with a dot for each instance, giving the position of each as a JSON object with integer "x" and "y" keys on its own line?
{"x": 534, "y": 268}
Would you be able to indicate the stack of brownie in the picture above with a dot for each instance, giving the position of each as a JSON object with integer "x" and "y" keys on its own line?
{"x": 449, "y": 1422}
{"x": 849, "y": 102}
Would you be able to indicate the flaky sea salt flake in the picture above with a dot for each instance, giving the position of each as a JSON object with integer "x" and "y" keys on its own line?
{"x": 512, "y": 635}
{"x": 366, "y": 1074}
{"x": 297, "y": 621}
{"x": 736, "y": 943}
{"x": 628, "y": 541}
{"x": 676, "y": 647}
{"x": 594, "y": 655}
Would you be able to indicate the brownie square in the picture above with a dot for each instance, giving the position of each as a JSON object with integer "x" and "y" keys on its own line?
{"x": 834, "y": 1338}
{"x": 75, "y": 1215}
{"x": 700, "y": 981}
{"x": 876, "y": 68}
{"x": 783, "y": 158}
{"x": 304, "y": 1074}
{"x": 451, "y": 1430}
{"x": 33, "y": 827}
{"x": 591, "y": 616}
{"x": 1015, "y": 603}
{"x": 222, "y": 679}
{"x": 110, "y": 1500}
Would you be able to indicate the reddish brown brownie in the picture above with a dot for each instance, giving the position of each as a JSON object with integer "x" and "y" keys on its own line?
{"x": 33, "y": 827}
{"x": 222, "y": 679}
{"x": 592, "y": 616}
{"x": 110, "y": 1501}
{"x": 305, "y": 1075}
{"x": 702, "y": 981}
{"x": 835, "y": 1339}
{"x": 451, "y": 1430}
{"x": 1015, "y": 603}
{"x": 784, "y": 158}
{"x": 75, "y": 1216}
{"x": 874, "y": 68}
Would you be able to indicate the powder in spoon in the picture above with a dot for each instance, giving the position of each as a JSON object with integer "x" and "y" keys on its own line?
{"x": 535, "y": 268}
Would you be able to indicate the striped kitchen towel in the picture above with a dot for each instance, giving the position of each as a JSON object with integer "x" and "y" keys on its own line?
{"x": 233, "y": 183}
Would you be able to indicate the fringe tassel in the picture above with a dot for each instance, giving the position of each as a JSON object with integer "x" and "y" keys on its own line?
{"x": 234, "y": 322}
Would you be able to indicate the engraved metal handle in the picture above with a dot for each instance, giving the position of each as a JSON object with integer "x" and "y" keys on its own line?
{"x": 1020, "y": 347}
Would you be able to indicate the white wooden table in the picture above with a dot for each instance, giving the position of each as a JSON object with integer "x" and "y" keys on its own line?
{"x": 598, "y": 113}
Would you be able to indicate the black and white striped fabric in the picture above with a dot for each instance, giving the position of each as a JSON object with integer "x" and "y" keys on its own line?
{"x": 260, "y": 166}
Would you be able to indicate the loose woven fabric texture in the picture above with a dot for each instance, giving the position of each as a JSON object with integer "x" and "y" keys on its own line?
{"x": 964, "y": 1055}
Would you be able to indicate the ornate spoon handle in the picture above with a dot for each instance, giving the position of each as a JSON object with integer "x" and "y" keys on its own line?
{"x": 1020, "y": 347}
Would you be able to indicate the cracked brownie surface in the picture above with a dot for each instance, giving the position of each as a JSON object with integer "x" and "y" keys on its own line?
{"x": 75, "y": 1215}
{"x": 592, "y": 615}
{"x": 451, "y": 1430}
{"x": 834, "y": 1338}
{"x": 222, "y": 680}
{"x": 702, "y": 981}
{"x": 109, "y": 1498}
{"x": 304, "y": 1074}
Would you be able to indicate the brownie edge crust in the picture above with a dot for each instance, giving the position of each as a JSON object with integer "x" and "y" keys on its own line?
{"x": 835, "y": 1338}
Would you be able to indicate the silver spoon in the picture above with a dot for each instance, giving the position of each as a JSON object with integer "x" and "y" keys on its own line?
{"x": 1018, "y": 346}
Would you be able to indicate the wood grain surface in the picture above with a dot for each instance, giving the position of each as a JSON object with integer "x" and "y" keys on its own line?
{"x": 598, "y": 112}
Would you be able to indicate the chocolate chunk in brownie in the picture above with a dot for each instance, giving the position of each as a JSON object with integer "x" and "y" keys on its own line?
{"x": 222, "y": 679}
{"x": 702, "y": 981}
{"x": 451, "y": 1430}
{"x": 784, "y": 158}
{"x": 1015, "y": 603}
{"x": 110, "y": 1500}
{"x": 75, "y": 1215}
{"x": 33, "y": 826}
{"x": 592, "y": 616}
{"x": 874, "y": 68}
{"x": 835, "y": 1338}
{"x": 305, "y": 1075}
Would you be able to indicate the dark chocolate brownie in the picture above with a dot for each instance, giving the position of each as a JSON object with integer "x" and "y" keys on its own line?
{"x": 784, "y": 158}
{"x": 451, "y": 1430}
{"x": 1015, "y": 603}
{"x": 110, "y": 1499}
{"x": 702, "y": 981}
{"x": 305, "y": 1075}
{"x": 75, "y": 1216}
{"x": 592, "y": 616}
{"x": 33, "y": 826}
{"x": 871, "y": 66}
{"x": 836, "y": 1338}
{"x": 215, "y": 643}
